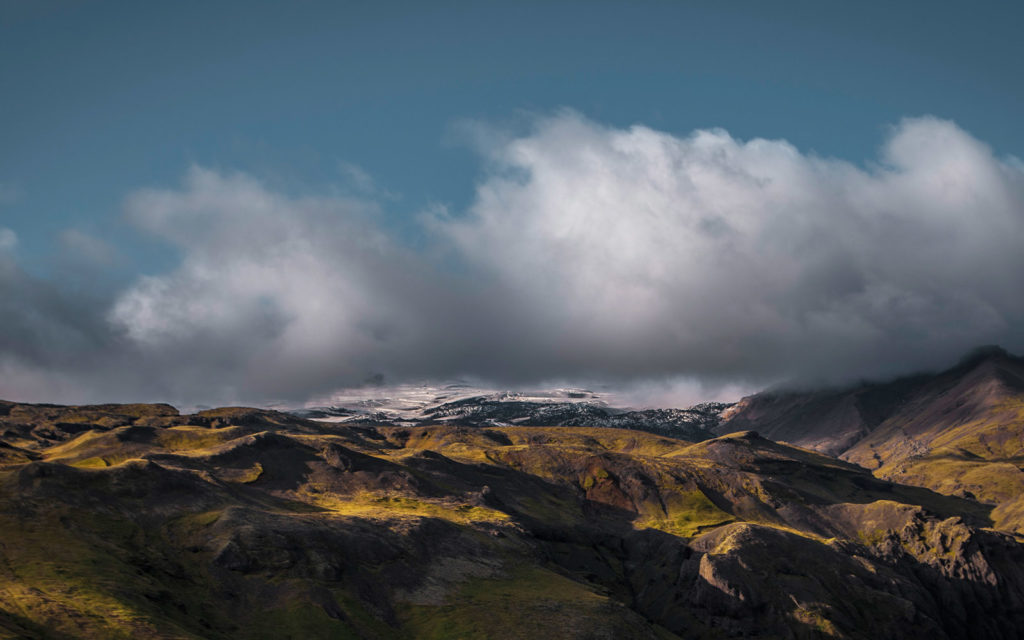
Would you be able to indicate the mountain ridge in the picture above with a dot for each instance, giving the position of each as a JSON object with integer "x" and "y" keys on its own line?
{"x": 959, "y": 431}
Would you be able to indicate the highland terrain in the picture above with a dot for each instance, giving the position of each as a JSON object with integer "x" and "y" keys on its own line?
{"x": 893, "y": 513}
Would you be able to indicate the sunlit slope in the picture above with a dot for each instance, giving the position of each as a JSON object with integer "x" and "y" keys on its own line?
{"x": 960, "y": 432}
{"x": 137, "y": 522}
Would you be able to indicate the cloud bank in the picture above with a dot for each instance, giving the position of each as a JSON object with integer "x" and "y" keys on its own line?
{"x": 648, "y": 253}
{"x": 589, "y": 253}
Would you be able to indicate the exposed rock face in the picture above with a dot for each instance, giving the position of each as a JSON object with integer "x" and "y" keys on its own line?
{"x": 241, "y": 523}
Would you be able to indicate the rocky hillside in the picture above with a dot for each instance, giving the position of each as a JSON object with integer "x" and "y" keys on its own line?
{"x": 135, "y": 522}
{"x": 959, "y": 432}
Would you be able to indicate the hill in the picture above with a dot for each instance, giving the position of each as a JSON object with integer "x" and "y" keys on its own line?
{"x": 959, "y": 432}
{"x": 135, "y": 521}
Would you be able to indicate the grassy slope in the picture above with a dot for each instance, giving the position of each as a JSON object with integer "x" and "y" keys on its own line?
{"x": 967, "y": 440}
{"x": 960, "y": 432}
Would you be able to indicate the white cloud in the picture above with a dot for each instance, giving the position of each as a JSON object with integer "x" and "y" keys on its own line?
{"x": 85, "y": 248}
{"x": 670, "y": 267}
{"x": 278, "y": 295}
{"x": 641, "y": 252}
{"x": 8, "y": 239}
{"x": 356, "y": 177}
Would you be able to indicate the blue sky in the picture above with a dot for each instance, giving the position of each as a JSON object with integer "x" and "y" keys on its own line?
{"x": 104, "y": 97}
{"x": 379, "y": 102}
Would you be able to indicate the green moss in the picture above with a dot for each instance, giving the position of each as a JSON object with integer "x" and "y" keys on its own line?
{"x": 951, "y": 474}
{"x": 189, "y": 438}
{"x": 87, "y": 582}
{"x": 872, "y": 537}
{"x": 685, "y": 514}
{"x": 813, "y": 617}
{"x": 388, "y": 507}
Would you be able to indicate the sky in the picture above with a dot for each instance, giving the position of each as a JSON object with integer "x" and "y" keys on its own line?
{"x": 255, "y": 202}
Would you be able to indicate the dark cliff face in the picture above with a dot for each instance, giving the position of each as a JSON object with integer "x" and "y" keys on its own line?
{"x": 237, "y": 523}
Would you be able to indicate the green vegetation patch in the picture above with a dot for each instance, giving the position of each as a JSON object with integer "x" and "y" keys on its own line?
{"x": 686, "y": 514}
{"x": 991, "y": 482}
{"x": 387, "y": 507}
{"x": 86, "y": 582}
{"x": 191, "y": 438}
{"x": 815, "y": 618}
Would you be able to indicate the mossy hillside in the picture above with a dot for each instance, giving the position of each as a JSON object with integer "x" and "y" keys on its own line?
{"x": 106, "y": 448}
{"x": 684, "y": 514}
{"x": 385, "y": 507}
{"x": 950, "y": 456}
{"x": 996, "y": 435}
{"x": 973, "y": 467}
{"x": 633, "y": 443}
{"x": 956, "y": 474}
{"x": 94, "y": 415}
{"x": 985, "y": 464}
{"x": 326, "y": 533}
{"x": 527, "y": 603}
{"x": 460, "y": 442}
{"x": 85, "y": 581}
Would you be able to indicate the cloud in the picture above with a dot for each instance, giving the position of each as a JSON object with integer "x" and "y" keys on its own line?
{"x": 8, "y": 240}
{"x": 666, "y": 266}
{"x": 275, "y": 297}
{"x": 78, "y": 247}
{"x": 637, "y": 253}
{"x": 50, "y": 337}
{"x": 356, "y": 177}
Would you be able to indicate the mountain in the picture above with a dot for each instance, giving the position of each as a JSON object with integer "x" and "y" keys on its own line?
{"x": 958, "y": 432}
{"x": 463, "y": 405}
{"x": 134, "y": 521}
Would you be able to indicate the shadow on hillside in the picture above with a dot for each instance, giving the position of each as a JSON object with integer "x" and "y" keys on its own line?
{"x": 19, "y": 626}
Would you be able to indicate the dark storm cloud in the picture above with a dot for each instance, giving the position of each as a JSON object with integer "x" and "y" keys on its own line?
{"x": 50, "y": 336}
{"x": 589, "y": 253}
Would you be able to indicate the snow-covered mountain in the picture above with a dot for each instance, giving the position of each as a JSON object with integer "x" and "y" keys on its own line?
{"x": 466, "y": 405}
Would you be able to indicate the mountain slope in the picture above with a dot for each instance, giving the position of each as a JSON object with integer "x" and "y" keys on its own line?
{"x": 238, "y": 523}
{"x": 958, "y": 432}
